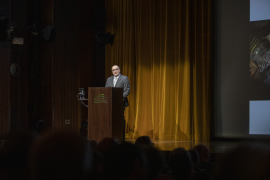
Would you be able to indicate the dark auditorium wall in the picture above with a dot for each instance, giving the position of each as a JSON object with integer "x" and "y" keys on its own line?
{"x": 14, "y": 89}
{"x": 51, "y": 71}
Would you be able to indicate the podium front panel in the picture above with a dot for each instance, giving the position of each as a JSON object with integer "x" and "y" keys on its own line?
{"x": 105, "y": 113}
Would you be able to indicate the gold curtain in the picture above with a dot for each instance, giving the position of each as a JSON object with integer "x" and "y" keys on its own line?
{"x": 164, "y": 47}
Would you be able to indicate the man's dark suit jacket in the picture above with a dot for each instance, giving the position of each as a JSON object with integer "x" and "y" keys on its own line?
{"x": 122, "y": 82}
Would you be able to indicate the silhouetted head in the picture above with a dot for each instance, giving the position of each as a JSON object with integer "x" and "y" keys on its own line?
{"x": 106, "y": 144}
{"x": 14, "y": 155}
{"x": 94, "y": 145}
{"x": 143, "y": 141}
{"x": 60, "y": 155}
{"x": 195, "y": 158}
{"x": 203, "y": 152}
{"x": 247, "y": 161}
{"x": 124, "y": 161}
{"x": 180, "y": 163}
{"x": 156, "y": 161}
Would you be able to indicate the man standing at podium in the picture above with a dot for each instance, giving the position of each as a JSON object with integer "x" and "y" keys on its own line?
{"x": 120, "y": 81}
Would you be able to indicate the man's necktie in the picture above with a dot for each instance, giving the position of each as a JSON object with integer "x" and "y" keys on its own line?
{"x": 114, "y": 81}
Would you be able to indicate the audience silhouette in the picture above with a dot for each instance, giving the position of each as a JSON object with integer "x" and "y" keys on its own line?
{"x": 14, "y": 155}
{"x": 204, "y": 155}
{"x": 143, "y": 141}
{"x": 124, "y": 161}
{"x": 60, "y": 155}
{"x": 67, "y": 155}
{"x": 180, "y": 164}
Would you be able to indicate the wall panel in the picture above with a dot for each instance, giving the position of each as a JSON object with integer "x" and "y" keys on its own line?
{"x": 4, "y": 91}
{"x": 65, "y": 65}
{"x": 51, "y": 71}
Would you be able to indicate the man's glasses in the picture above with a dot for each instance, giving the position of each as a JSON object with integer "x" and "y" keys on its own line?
{"x": 115, "y": 70}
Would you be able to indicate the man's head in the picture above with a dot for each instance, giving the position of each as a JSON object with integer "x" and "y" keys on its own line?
{"x": 115, "y": 70}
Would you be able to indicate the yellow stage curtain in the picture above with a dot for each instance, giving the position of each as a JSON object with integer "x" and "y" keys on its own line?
{"x": 164, "y": 47}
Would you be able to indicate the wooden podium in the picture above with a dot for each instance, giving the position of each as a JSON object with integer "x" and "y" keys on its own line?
{"x": 105, "y": 113}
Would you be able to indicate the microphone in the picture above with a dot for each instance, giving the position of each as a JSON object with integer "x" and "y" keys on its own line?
{"x": 80, "y": 96}
{"x": 81, "y": 90}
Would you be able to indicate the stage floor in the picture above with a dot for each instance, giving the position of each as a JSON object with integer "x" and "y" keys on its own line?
{"x": 213, "y": 146}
